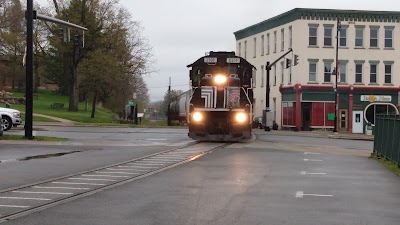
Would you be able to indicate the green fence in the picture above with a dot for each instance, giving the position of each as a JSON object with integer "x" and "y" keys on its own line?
{"x": 387, "y": 137}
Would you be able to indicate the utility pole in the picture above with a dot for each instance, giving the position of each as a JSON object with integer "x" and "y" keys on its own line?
{"x": 29, "y": 71}
{"x": 30, "y": 16}
{"x": 336, "y": 74}
{"x": 169, "y": 102}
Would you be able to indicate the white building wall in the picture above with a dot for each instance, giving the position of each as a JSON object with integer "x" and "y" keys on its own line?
{"x": 300, "y": 41}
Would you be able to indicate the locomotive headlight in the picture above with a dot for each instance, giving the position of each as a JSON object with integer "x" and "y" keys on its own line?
{"x": 220, "y": 79}
{"x": 197, "y": 117}
{"x": 240, "y": 117}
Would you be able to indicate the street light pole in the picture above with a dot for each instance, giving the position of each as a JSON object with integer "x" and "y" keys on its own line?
{"x": 336, "y": 74}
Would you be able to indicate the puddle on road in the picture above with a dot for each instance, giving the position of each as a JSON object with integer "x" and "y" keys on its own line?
{"x": 45, "y": 156}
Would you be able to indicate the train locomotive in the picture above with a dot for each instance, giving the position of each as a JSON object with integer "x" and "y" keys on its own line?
{"x": 219, "y": 105}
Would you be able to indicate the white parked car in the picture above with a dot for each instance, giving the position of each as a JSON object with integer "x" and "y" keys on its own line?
{"x": 10, "y": 118}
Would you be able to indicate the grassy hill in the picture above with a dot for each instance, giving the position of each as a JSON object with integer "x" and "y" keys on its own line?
{"x": 46, "y": 98}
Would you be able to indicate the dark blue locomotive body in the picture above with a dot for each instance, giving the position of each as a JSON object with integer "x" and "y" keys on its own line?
{"x": 219, "y": 106}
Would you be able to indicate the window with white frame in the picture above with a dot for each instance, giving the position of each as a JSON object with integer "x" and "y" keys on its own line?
{"x": 359, "y": 73}
{"x": 262, "y": 75}
{"x": 373, "y": 37}
{"x": 388, "y": 37}
{"x": 282, "y": 39}
{"x": 313, "y": 34}
{"x": 388, "y": 72}
{"x": 327, "y": 71}
{"x": 267, "y": 44}
{"x": 254, "y": 78}
{"x": 245, "y": 49}
{"x": 275, "y": 41}
{"x": 255, "y": 48}
{"x": 240, "y": 49}
{"x": 343, "y": 72}
{"x": 359, "y": 42}
{"x": 282, "y": 71}
{"x": 373, "y": 73}
{"x": 262, "y": 45}
{"x": 343, "y": 37}
{"x": 328, "y": 36}
{"x": 290, "y": 37}
{"x": 275, "y": 75}
{"x": 312, "y": 71}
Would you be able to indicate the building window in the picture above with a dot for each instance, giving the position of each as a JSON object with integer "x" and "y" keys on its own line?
{"x": 312, "y": 40}
{"x": 343, "y": 72}
{"x": 255, "y": 48}
{"x": 254, "y": 78}
{"x": 373, "y": 73}
{"x": 262, "y": 45}
{"x": 312, "y": 74}
{"x": 290, "y": 37}
{"x": 282, "y": 71}
{"x": 388, "y": 37}
{"x": 274, "y": 102}
{"x": 359, "y": 37}
{"x": 373, "y": 37}
{"x": 275, "y": 75}
{"x": 262, "y": 76}
{"x": 240, "y": 49}
{"x": 245, "y": 49}
{"x": 359, "y": 73}
{"x": 328, "y": 36}
{"x": 327, "y": 72}
{"x": 267, "y": 44}
{"x": 388, "y": 73}
{"x": 343, "y": 37}
{"x": 282, "y": 40}
{"x": 275, "y": 41}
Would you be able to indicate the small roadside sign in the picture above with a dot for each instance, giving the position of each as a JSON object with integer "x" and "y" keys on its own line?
{"x": 131, "y": 102}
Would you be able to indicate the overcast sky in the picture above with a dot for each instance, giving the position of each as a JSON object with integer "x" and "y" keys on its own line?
{"x": 181, "y": 31}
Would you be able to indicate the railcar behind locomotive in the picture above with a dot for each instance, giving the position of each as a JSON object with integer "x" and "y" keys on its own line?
{"x": 219, "y": 106}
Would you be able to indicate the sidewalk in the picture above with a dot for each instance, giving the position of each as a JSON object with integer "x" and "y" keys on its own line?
{"x": 319, "y": 134}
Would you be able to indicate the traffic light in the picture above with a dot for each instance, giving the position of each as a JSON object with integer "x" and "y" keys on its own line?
{"x": 296, "y": 60}
{"x": 288, "y": 63}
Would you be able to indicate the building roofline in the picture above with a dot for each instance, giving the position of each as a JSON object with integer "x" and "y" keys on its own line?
{"x": 313, "y": 14}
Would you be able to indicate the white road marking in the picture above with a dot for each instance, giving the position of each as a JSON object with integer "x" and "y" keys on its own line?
{"x": 90, "y": 179}
{"x": 99, "y": 175}
{"x": 301, "y": 194}
{"x": 312, "y": 153}
{"x": 148, "y": 164}
{"x": 313, "y": 160}
{"x": 139, "y": 167}
{"x": 306, "y": 173}
{"x": 157, "y": 139}
{"x": 160, "y": 160}
{"x": 78, "y": 183}
{"x": 168, "y": 157}
{"x": 120, "y": 169}
{"x": 41, "y": 192}
{"x": 22, "y": 198}
{"x": 117, "y": 173}
{"x": 15, "y": 206}
{"x": 69, "y": 188}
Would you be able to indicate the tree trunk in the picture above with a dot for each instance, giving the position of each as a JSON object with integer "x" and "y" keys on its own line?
{"x": 93, "y": 106}
{"x": 74, "y": 91}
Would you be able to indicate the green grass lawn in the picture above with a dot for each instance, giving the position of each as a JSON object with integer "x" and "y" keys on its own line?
{"x": 46, "y": 98}
{"x": 37, "y": 138}
{"x": 38, "y": 118}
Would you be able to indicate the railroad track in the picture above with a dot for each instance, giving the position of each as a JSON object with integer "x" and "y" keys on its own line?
{"x": 19, "y": 201}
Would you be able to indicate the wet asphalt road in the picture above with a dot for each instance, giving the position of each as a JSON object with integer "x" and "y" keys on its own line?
{"x": 274, "y": 180}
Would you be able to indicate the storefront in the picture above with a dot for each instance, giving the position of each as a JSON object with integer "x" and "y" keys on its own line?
{"x": 307, "y": 107}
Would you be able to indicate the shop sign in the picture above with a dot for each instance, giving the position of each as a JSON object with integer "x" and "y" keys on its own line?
{"x": 376, "y": 98}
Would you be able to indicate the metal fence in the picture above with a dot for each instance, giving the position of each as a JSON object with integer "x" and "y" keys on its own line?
{"x": 387, "y": 137}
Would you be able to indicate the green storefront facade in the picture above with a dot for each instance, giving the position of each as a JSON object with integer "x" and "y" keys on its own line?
{"x": 307, "y": 107}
